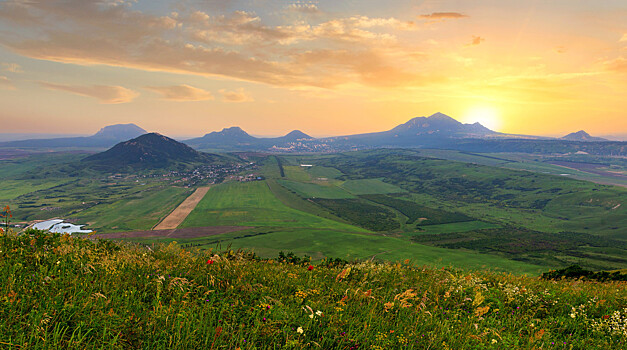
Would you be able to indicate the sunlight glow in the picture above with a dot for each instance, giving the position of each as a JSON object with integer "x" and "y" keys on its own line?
{"x": 487, "y": 116}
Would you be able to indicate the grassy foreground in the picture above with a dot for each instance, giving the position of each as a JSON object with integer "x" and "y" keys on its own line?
{"x": 63, "y": 292}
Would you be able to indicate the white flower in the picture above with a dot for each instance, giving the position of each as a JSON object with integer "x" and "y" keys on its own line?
{"x": 311, "y": 316}
{"x": 494, "y": 341}
{"x": 299, "y": 330}
{"x": 318, "y": 313}
{"x": 58, "y": 262}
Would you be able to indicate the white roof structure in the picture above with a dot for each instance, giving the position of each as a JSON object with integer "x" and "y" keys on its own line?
{"x": 46, "y": 225}
{"x": 58, "y": 226}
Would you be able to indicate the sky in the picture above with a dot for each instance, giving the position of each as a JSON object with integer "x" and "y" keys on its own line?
{"x": 189, "y": 67}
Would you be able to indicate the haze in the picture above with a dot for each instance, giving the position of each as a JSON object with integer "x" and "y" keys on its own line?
{"x": 187, "y": 67}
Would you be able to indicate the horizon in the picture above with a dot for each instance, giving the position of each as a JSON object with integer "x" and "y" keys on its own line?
{"x": 322, "y": 67}
{"x": 14, "y": 136}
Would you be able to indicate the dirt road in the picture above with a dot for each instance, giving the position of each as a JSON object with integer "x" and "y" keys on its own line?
{"x": 179, "y": 214}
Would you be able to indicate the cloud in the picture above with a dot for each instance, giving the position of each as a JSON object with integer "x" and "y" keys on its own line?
{"x": 106, "y": 94}
{"x": 442, "y": 16}
{"x": 237, "y": 45}
{"x": 12, "y": 67}
{"x": 308, "y": 8}
{"x": 182, "y": 93}
{"x": 618, "y": 65}
{"x": 6, "y": 83}
{"x": 476, "y": 40}
{"x": 238, "y": 95}
{"x": 624, "y": 38}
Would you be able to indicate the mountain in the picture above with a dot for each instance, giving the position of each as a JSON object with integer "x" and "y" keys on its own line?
{"x": 105, "y": 137}
{"x": 581, "y": 136}
{"x": 119, "y": 132}
{"x": 229, "y": 138}
{"x": 148, "y": 151}
{"x": 234, "y": 138}
{"x": 295, "y": 135}
{"x": 441, "y": 124}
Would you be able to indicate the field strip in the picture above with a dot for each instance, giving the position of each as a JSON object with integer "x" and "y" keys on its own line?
{"x": 179, "y": 214}
{"x": 189, "y": 232}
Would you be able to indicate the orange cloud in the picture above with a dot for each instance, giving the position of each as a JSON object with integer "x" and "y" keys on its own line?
{"x": 618, "y": 65}
{"x": 476, "y": 40}
{"x": 182, "y": 93}
{"x": 238, "y": 95}
{"x": 238, "y": 45}
{"x": 105, "y": 94}
{"x": 443, "y": 15}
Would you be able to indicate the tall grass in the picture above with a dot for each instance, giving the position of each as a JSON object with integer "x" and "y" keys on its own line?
{"x": 64, "y": 292}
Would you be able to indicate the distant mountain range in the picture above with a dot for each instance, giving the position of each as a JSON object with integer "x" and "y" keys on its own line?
{"x": 104, "y": 138}
{"x": 435, "y": 131}
{"x": 235, "y": 138}
{"x": 148, "y": 151}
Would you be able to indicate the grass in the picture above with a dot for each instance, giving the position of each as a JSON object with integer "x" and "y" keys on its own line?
{"x": 453, "y": 227}
{"x": 11, "y": 189}
{"x": 324, "y": 172}
{"x": 253, "y": 204}
{"x": 138, "y": 212}
{"x": 370, "y": 186}
{"x": 312, "y": 190}
{"x": 74, "y": 294}
{"x": 296, "y": 172}
{"x": 313, "y": 242}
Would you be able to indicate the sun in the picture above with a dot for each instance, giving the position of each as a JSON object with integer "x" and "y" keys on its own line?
{"x": 486, "y": 116}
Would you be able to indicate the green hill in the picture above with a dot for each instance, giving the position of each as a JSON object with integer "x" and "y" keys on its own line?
{"x": 149, "y": 151}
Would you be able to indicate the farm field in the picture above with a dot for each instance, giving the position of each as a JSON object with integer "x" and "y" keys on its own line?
{"x": 370, "y": 186}
{"x": 457, "y": 197}
{"x": 314, "y": 190}
{"x": 141, "y": 211}
{"x": 386, "y": 204}
{"x": 253, "y": 204}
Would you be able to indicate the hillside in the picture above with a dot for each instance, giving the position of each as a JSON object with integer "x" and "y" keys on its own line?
{"x": 149, "y": 151}
{"x": 82, "y": 295}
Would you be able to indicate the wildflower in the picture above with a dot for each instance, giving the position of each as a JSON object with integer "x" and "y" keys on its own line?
{"x": 318, "y": 313}
{"x": 310, "y": 268}
{"x": 494, "y": 341}
{"x": 209, "y": 262}
{"x": 299, "y": 330}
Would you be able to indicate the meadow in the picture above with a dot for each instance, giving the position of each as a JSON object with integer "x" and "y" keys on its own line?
{"x": 71, "y": 293}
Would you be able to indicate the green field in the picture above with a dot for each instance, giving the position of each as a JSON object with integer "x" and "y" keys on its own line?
{"x": 11, "y": 189}
{"x": 416, "y": 213}
{"x": 135, "y": 212}
{"x": 349, "y": 246}
{"x": 313, "y": 190}
{"x": 296, "y": 172}
{"x": 318, "y": 172}
{"x": 370, "y": 186}
{"x": 253, "y": 204}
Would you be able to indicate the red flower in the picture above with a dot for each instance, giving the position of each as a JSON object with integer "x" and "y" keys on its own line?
{"x": 209, "y": 261}
{"x": 605, "y": 317}
{"x": 310, "y": 268}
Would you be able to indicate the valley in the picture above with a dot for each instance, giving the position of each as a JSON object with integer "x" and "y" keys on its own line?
{"x": 435, "y": 207}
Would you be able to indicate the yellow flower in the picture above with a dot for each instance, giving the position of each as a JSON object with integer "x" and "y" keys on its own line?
{"x": 299, "y": 330}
